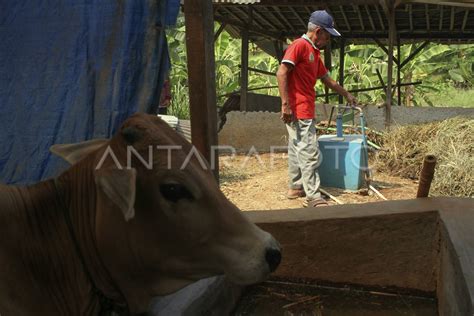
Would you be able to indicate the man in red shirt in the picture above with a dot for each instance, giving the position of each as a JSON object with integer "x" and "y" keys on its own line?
{"x": 300, "y": 68}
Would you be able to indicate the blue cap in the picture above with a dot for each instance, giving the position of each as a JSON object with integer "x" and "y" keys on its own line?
{"x": 323, "y": 19}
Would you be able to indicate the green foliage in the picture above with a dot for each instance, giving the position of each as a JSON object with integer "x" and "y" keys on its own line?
{"x": 227, "y": 63}
{"x": 444, "y": 70}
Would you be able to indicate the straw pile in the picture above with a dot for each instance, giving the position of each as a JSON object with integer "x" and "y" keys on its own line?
{"x": 451, "y": 141}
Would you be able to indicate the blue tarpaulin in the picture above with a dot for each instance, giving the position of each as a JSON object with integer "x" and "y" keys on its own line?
{"x": 73, "y": 70}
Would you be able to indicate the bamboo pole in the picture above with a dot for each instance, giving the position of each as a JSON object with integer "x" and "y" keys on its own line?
{"x": 426, "y": 176}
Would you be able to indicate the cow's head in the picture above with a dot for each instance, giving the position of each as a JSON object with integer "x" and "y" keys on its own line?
{"x": 161, "y": 221}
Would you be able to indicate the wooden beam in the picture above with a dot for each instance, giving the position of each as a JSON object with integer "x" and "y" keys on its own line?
{"x": 441, "y": 12}
{"x": 253, "y": 29}
{"x": 283, "y": 18}
{"x": 254, "y": 20}
{"x": 451, "y": 27}
{"x": 411, "y": 17}
{"x": 235, "y": 16}
{"x": 259, "y": 16}
{"x": 278, "y": 46}
{"x": 264, "y": 72}
{"x": 462, "y": 3}
{"x": 370, "y": 17}
{"x": 391, "y": 40}
{"x": 382, "y": 24}
{"x": 369, "y": 89}
{"x": 201, "y": 75}
{"x": 427, "y": 15}
{"x": 345, "y": 18}
{"x": 303, "y": 23}
{"x": 399, "y": 70}
{"x": 318, "y": 3}
{"x": 219, "y": 31}
{"x": 328, "y": 64}
{"x": 341, "y": 68}
{"x": 464, "y": 22}
{"x": 446, "y": 36}
{"x": 382, "y": 46}
{"x": 356, "y": 8}
{"x": 382, "y": 82}
{"x": 284, "y": 27}
{"x": 244, "y": 72}
{"x": 413, "y": 54}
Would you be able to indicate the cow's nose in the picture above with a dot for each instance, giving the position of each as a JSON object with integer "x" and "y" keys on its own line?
{"x": 273, "y": 258}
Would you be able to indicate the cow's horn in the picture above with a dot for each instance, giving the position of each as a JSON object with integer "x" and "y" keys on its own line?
{"x": 131, "y": 134}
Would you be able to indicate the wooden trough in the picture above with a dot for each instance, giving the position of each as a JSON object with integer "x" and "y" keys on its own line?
{"x": 420, "y": 248}
{"x": 423, "y": 246}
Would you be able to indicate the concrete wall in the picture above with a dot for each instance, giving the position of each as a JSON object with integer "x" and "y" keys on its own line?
{"x": 265, "y": 129}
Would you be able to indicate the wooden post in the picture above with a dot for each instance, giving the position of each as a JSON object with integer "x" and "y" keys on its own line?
{"x": 244, "y": 73}
{"x": 201, "y": 73}
{"x": 328, "y": 64}
{"x": 341, "y": 68}
{"x": 399, "y": 70}
{"x": 391, "y": 40}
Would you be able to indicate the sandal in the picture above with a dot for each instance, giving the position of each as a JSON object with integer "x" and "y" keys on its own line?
{"x": 315, "y": 203}
{"x": 295, "y": 193}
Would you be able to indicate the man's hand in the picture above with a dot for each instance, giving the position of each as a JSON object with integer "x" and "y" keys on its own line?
{"x": 351, "y": 100}
{"x": 286, "y": 113}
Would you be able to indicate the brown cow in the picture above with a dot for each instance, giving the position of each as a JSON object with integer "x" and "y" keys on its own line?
{"x": 109, "y": 234}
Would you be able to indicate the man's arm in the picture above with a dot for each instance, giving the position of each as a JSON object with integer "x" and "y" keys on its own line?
{"x": 333, "y": 85}
{"x": 282, "y": 78}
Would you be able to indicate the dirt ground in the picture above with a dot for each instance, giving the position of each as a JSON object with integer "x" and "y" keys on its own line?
{"x": 259, "y": 182}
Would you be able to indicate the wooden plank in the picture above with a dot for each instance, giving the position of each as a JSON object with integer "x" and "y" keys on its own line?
{"x": 411, "y": 18}
{"x": 201, "y": 75}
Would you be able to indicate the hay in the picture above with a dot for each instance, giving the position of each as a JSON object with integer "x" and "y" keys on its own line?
{"x": 451, "y": 141}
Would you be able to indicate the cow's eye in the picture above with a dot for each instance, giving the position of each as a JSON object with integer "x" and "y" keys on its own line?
{"x": 174, "y": 192}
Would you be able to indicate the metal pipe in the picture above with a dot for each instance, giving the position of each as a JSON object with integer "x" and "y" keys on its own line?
{"x": 426, "y": 176}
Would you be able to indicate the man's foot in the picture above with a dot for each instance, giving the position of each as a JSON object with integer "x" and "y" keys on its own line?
{"x": 295, "y": 193}
{"x": 315, "y": 203}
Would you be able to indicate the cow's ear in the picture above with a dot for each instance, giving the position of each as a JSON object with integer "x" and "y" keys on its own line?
{"x": 72, "y": 153}
{"x": 119, "y": 186}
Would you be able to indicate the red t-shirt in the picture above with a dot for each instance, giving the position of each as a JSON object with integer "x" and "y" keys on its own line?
{"x": 308, "y": 67}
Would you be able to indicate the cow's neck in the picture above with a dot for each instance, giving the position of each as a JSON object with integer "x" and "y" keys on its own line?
{"x": 77, "y": 187}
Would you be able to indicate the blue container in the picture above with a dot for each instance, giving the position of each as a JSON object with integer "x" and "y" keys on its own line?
{"x": 344, "y": 161}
